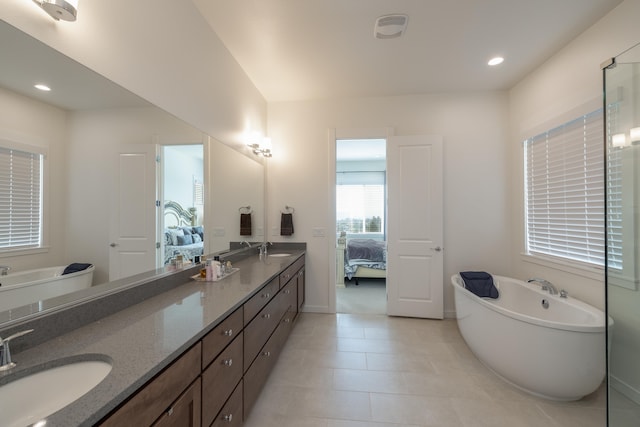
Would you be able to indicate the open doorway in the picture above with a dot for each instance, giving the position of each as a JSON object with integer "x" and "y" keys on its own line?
{"x": 361, "y": 195}
{"x": 183, "y": 202}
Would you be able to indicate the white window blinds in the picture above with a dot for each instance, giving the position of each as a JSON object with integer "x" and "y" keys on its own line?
{"x": 564, "y": 186}
{"x": 20, "y": 199}
{"x": 360, "y": 202}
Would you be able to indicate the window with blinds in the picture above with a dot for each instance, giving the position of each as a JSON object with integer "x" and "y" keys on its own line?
{"x": 360, "y": 202}
{"x": 564, "y": 191}
{"x": 21, "y": 175}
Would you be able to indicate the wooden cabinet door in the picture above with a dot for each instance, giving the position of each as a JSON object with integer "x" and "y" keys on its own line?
{"x": 185, "y": 412}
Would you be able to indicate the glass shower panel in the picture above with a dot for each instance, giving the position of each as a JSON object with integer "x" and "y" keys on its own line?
{"x": 622, "y": 112}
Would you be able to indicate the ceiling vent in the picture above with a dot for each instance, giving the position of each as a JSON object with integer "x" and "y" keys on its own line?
{"x": 390, "y": 26}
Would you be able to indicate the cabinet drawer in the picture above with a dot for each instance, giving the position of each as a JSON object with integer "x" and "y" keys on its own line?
{"x": 221, "y": 336}
{"x": 259, "y": 371}
{"x": 185, "y": 412}
{"x": 260, "y": 328}
{"x": 220, "y": 378}
{"x": 290, "y": 272}
{"x": 157, "y": 396}
{"x": 259, "y": 300}
{"x": 231, "y": 413}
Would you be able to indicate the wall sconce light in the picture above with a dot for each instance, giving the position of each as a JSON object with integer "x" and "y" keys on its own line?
{"x": 264, "y": 149}
{"x": 67, "y": 10}
{"x": 634, "y": 134}
{"x": 619, "y": 140}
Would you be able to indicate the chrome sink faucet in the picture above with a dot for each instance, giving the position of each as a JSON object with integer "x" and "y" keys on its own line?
{"x": 244, "y": 242}
{"x": 546, "y": 285}
{"x": 5, "y": 353}
{"x": 4, "y": 270}
{"x": 263, "y": 248}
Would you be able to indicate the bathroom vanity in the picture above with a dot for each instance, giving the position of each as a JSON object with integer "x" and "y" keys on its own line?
{"x": 197, "y": 354}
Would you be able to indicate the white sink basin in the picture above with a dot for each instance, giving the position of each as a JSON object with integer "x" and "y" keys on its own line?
{"x": 29, "y": 399}
{"x": 279, "y": 255}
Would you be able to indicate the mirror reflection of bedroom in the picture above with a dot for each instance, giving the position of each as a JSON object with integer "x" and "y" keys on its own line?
{"x": 361, "y": 226}
{"x": 183, "y": 197}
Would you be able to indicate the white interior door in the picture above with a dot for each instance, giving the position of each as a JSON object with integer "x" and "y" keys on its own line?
{"x": 414, "y": 208}
{"x": 134, "y": 212}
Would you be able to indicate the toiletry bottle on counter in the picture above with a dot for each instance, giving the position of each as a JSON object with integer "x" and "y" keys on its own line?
{"x": 217, "y": 271}
{"x": 209, "y": 273}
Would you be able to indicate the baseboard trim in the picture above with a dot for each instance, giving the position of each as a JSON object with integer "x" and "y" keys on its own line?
{"x": 625, "y": 389}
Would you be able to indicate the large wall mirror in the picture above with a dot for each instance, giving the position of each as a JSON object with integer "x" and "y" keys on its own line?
{"x": 84, "y": 125}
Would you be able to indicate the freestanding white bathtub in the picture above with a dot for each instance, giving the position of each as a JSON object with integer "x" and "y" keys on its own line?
{"x": 27, "y": 287}
{"x": 556, "y": 352}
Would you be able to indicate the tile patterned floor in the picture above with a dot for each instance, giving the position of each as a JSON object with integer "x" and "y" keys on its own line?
{"x": 350, "y": 370}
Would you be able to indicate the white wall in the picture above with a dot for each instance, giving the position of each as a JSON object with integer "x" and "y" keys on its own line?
{"x": 476, "y": 205}
{"x": 569, "y": 82}
{"x": 160, "y": 50}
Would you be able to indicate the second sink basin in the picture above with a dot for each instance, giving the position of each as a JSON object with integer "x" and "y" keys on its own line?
{"x": 29, "y": 399}
{"x": 279, "y": 255}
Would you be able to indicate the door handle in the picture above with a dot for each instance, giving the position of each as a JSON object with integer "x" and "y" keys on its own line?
{"x": 113, "y": 245}
{"x": 437, "y": 249}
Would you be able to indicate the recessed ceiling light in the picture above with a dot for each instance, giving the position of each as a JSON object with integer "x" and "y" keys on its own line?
{"x": 496, "y": 61}
{"x": 42, "y": 87}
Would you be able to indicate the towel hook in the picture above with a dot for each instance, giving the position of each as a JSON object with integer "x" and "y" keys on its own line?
{"x": 289, "y": 209}
{"x": 245, "y": 209}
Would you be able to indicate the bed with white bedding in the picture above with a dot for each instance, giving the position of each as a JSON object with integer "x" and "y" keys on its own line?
{"x": 181, "y": 234}
{"x": 361, "y": 258}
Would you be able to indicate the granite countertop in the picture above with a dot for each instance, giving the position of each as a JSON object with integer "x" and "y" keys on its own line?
{"x": 143, "y": 339}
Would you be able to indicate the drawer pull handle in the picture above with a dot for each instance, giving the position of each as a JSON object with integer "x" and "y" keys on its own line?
{"x": 170, "y": 411}
{"x": 287, "y": 320}
{"x": 267, "y": 295}
{"x": 266, "y": 353}
{"x": 266, "y": 316}
{"x": 228, "y": 332}
{"x": 227, "y": 362}
{"x": 228, "y": 418}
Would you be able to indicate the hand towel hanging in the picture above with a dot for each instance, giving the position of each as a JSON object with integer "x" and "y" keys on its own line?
{"x": 286, "y": 224}
{"x": 245, "y": 224}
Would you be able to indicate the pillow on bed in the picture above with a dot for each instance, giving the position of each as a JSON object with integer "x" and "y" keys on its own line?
{"x": 185, "y": 240}
{"x": 167, "y": 238}
{"x": 196, "y": 238}
{"x": 175, "y": 232}
{"x": 199, "y": 230}
{"x": 187, "y": 230}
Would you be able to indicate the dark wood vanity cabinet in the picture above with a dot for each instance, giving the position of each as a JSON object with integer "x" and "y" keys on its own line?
{"x": 167, "y": 399}
{"x": 218, "y": 380}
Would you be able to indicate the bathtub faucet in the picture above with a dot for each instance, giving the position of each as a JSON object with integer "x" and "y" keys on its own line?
{"x": 546, "y": 285}
{"x": 4, "y": 270}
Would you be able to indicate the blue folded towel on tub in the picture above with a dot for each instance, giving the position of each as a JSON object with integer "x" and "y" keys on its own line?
{"x": 480, "y": 283}
{"x": 75, "y": 267}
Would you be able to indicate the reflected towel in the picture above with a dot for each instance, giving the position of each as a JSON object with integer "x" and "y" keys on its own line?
{"x": 480, "y": 283}
{"x": 75, "y": 267}
{"x": 286, "y": 224}
{"x": 245, "y": 224}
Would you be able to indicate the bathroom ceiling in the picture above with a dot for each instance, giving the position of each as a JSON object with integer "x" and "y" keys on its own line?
{"x": 323, "y": 49}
